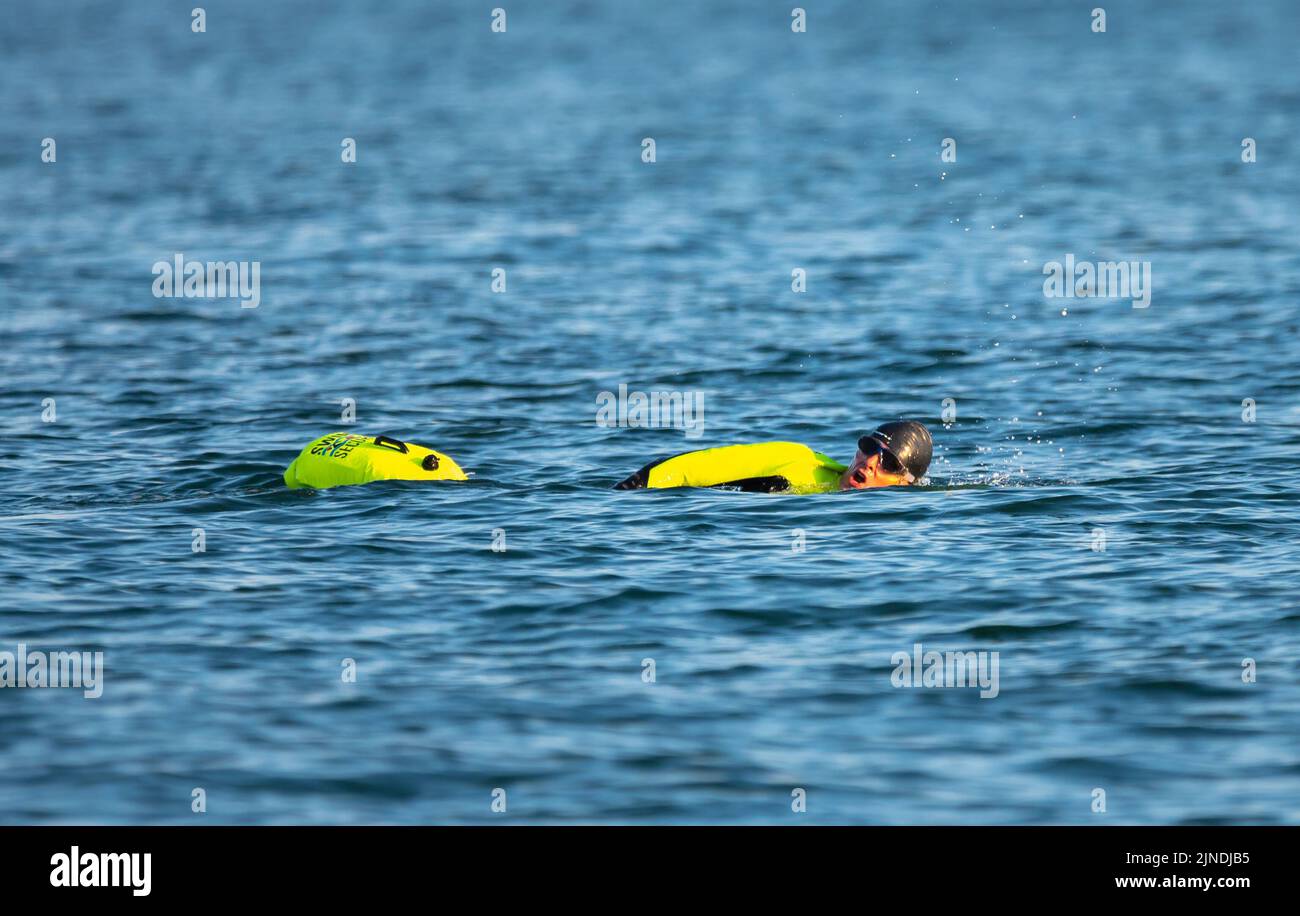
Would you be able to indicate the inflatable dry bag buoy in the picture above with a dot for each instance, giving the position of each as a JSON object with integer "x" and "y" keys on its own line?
{"x": 347, "y": 458}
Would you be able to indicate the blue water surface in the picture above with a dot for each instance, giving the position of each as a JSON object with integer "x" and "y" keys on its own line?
{"x": 1106, "y": 510}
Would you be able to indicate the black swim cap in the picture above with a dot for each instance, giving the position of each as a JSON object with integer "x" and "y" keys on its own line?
{"x": 909, "y": 441}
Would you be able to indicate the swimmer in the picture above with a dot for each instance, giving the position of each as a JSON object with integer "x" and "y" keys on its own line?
{"x": 896, "y": 454}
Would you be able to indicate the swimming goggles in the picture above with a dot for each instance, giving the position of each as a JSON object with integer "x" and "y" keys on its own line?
{"x": 889, "y": 462}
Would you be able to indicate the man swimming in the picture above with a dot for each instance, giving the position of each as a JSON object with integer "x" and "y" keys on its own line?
{"x": 896, "y": 454}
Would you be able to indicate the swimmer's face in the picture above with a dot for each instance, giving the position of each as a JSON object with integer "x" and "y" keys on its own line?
{"x": 866, "y": 471}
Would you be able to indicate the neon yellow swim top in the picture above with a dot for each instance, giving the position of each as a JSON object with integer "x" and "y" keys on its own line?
{"x": 346, "y": 458}
{"x": 765, "y": 467}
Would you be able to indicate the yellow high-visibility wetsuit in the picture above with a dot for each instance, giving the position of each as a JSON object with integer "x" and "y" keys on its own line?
{"x": 764, "y": 467}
